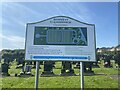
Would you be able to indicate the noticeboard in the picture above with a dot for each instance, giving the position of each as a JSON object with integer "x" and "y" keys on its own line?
{"x": 60, "y": 38}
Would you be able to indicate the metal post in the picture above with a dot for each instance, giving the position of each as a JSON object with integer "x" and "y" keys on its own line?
{"x": 82, "y": 75}
{"x": 37, "y": 75}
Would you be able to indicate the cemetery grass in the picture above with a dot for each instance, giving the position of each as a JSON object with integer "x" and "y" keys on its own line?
{"x": 101, "y": 79}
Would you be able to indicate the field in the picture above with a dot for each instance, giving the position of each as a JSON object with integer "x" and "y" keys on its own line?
{"x": 103, "y": 78}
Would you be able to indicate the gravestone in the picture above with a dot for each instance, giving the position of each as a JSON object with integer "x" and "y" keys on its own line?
{"x": 48, "y": 68}
{"x": 26, "y": 69}
{"x": 107, "y": 62}
{"x": 67, "y": 68}
{"x": 5, "y": 68}
{"x": 88, "y": 68}
{"x": 117, "y": 60}
{"x": 95, "y": 64}
{"x": 7, "y": 61}
{"x": 23, "y": 69}
{"x": 77, "y": 65}
{"x": 20, "y": 61}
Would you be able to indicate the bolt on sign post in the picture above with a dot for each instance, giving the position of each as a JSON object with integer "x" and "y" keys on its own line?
{"x": 60, "y": 38}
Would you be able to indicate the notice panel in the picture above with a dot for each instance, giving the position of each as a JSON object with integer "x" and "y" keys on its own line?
{"x": 60, "y": 38}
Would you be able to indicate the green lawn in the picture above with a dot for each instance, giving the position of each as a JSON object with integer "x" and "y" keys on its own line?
{"x": 101, "y": 79}
{"x": 60, "y": 82}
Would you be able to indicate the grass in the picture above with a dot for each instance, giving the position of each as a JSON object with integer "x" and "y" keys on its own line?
{"x": 101, "y": 79}
{"x": 107, "y": 71}
{"x": 60, "y": 82}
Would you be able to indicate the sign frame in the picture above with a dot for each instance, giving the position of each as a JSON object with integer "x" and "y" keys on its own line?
{"x": 94, "y": 37}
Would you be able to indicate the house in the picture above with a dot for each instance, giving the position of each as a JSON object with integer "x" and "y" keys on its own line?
{"x": 103, "y": 50}
{"x": 118, "y": 48}
{"x": 112, "y": 49}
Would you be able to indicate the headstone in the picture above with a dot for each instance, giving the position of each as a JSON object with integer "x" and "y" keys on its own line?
{"x": 18, "y": 63}
{"x": 7, "y": 61}
{"x": 95, "y": 64}
{"x": 88, "y": 68}
{"x": 48, "y": 68}
{"x": 117, "y": 59}
{"x": 77, "y": 65}
{"x": 5, "y": 67}
{"x": 67, "y": 68}
{"x": 23, "y": 69}
{"x": 107, "y": 62}
{"x": 26, "y": 69}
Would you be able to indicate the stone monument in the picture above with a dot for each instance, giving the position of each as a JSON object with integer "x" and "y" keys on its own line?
{"x": 5, "y": 68}
{"x": 48, "y": 68}
{"x": 26, "y": 69}
{"x": 67, "y": 68}
{"x": 88, "y": 68}
{"x": 107, "y": 62}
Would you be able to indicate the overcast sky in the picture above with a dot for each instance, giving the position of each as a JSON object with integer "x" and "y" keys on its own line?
{"x": 14, "y": 17}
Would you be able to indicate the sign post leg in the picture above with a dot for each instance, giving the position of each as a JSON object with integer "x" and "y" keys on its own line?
{"x": 82, "y": 75}
{"x": 37, "y": 75}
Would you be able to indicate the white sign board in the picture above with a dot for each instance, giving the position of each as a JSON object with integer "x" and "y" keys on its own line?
{"x": 60, "y": 38}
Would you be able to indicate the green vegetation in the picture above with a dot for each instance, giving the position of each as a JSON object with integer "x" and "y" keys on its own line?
{"x": 60, "y": 82}
{"x": 102, "y": 79}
